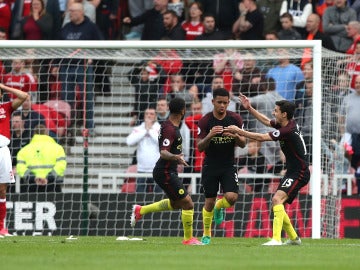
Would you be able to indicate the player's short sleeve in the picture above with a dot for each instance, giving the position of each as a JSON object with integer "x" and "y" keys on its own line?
{"x": 202, "y": 126}
{"x": 167, "y": 138}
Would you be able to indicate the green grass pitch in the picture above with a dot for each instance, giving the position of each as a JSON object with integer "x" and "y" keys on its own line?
{"x": 41, "y": 252}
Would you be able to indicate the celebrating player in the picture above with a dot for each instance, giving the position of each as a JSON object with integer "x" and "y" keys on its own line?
{"x": 219, "y": 160}
{"x": 166, "y": 176}
{"x": 297, "y": 173}
{"x": 6, "y": 173}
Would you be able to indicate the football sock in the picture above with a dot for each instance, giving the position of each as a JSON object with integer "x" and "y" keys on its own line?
{"x": 279, "y": 213}
{"x": 207, "y": 219}
{"x": 222, "y": 203}
{"x": 159, "y": 206}
{"x": 187, "y": 217}
{"x": 288, "y": 227}
{"x": 2, "y": 212}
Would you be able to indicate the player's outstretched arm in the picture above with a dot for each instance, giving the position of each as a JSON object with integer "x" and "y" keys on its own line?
{"x": 20, "y": 95}
{"x": 251, "y": 135}
{"x": 259, "y": 116}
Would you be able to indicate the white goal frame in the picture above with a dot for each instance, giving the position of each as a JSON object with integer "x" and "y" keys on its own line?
{"x": 315, "y": 45}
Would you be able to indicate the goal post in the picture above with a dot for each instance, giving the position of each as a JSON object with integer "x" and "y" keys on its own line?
{"x": 130, "y": 53}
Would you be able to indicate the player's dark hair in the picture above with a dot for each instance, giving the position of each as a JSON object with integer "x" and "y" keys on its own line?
{"x": 222, "y": 92}
{"x": 176, "y": 105}
{"x": 286, "y": 106}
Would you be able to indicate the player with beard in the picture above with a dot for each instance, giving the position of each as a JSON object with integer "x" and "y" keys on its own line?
{"x": 297, "y": 167}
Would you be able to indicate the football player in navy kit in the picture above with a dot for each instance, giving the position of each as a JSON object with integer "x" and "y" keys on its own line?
{"x": 297, "y": 167}
{"x": 166, "y": 176}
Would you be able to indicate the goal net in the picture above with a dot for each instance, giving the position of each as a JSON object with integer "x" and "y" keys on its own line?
{"x": 107, "y": 86}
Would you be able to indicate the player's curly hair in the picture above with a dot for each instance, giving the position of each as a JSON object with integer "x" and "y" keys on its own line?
{"x": 176, "y": 105}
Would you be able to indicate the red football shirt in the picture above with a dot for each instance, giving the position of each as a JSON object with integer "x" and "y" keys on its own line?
{"x": 5, "y": 116}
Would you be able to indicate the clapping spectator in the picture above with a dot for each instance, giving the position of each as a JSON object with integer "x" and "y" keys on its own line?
{"x": 250, "y": 24}
{"x": 145, "y": 137}
{"x": 152, "y": 19}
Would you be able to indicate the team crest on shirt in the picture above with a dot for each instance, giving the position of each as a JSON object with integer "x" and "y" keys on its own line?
{"x": 166, "y": 142}
{"x": 276, "y": 133}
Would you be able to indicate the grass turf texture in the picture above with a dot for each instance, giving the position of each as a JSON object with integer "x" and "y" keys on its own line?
{"x": 40, "y": 252}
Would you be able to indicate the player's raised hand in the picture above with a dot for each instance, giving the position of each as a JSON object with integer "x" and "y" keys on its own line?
{"x": 245, "y": 102}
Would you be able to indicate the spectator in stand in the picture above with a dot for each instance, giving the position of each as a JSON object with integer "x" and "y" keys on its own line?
{"x": 20, "y": 79}
{"x": 42, "y": 163}
{"x": 333, "y": 97}
{"x": 335, "y": 20}
{"x": 19, "y": 135}
{"x": 355, "y": 4}
{"x": 171, "y": 63}
{"x": 247, "y": 80}
{"x": 162, "y": 109}
{"x": 286, "y": 76}
{"x": 270, "y": 10}
{"x": 89, "y": 9}
{"x": 3, "y": 36}
{"x": 250, "y": 24}
{"x": 193, "y": 26}
{"x": 350, "y": 126}
{"x": 353, "y": 65}
{"x": 255, "y": 163}
{"x": 196, "y": 157}
{"x": 210, "y": 30}
{"x": 107, "y": 17}
{"x": 76, "y": 71}
{"x": 31, "y": 117}
{"x": 146, "y": 80}
{"x": 303, "y": 114}
{"x": 152, "y": 19}
{"x": 137, "y": 8}
{"x": 207, "y": 101}
{"x": 288, "y": 32}
{"x": 5, "y": 16}
{"x": 353, "y": 31}
{"x": 314, "y": 33}
{"x": 178, "y": 6}
{"x": 173, "y": 29}
{"x": 225, "y": 14}
{"x": 39, "y": 24}
{"x": 22, "y": 9}
{"x": 145, "y": 137}
{"x": 226, "y": 64}
{"x": 300, "y": 10}
{"x": 320, "y": 10}
{"x": 179, "y": 90}
{"x": 265, "y": 104}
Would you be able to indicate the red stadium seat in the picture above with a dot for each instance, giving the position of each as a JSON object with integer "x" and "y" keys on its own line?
{"x": 129, "y": 185}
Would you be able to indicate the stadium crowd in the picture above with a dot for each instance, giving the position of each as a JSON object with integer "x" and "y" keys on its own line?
{"x": 56, "y": 85}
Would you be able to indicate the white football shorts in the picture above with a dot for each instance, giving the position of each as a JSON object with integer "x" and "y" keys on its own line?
{"x": 6, "y": 172}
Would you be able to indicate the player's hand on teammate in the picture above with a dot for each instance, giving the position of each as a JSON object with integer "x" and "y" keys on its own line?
{"x": 232, "y": 130}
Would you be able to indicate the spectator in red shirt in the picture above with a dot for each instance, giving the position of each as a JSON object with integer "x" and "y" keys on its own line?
{"x": 194, "y": 27}
{"x": 353, "y": 31}
{"x": 5, "y": 15}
